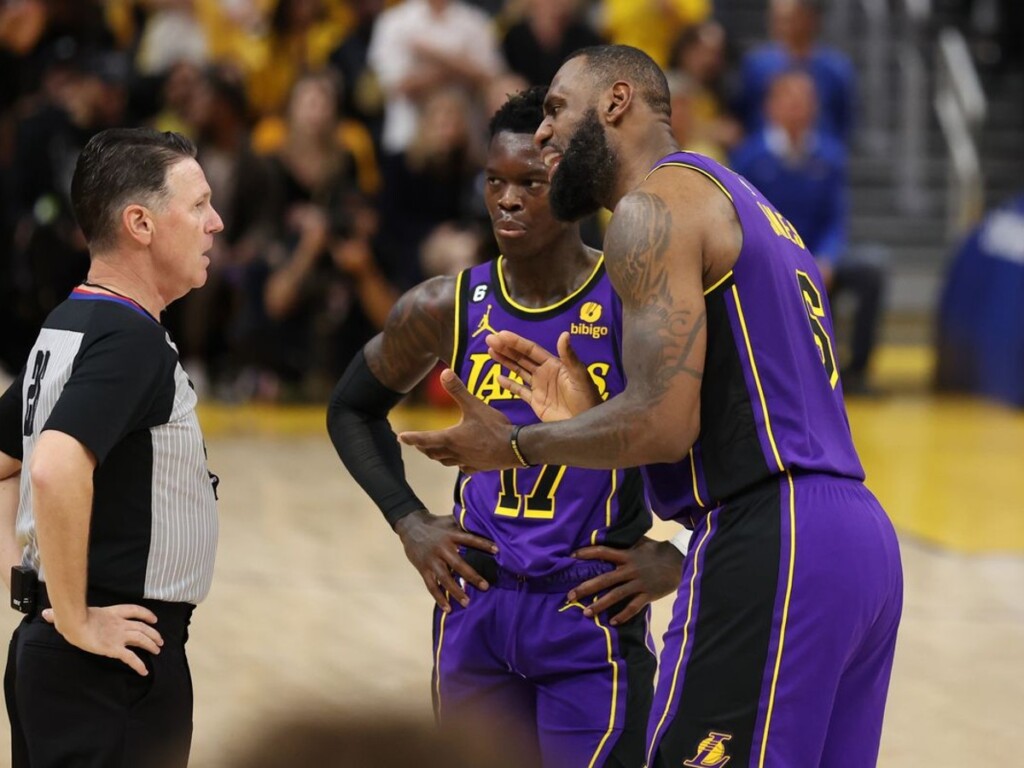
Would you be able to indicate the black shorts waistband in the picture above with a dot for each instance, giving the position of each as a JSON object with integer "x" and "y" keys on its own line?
{"x": 691, "y": 518}
{"x": 559, "y": 581}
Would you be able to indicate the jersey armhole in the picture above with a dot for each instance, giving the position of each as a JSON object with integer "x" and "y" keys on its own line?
{"x": 459, "y": 332}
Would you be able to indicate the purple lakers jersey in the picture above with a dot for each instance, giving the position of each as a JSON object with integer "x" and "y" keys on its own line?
{"x": 771, "y": 399}
{"x": 539, "y": 515}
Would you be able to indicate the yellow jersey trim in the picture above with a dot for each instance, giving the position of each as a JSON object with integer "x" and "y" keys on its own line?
{"x": 682, "y": 646}
{"x": 785, "y": 617}
{"x": 607, "y": 508}
{"x": 724, "y": 277}
{"x": 586, "y": 284}
{"x": 692, "y": 168}
{"x": 693, "y": 473}
{"x": 456, "y": 352}
{"x": 757, "y": 380}
{"x": 608, "y": 504}
{"x": 462, "y": 501}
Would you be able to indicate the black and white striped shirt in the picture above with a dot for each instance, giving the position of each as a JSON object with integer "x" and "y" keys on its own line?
{"x": 106, "y": 373}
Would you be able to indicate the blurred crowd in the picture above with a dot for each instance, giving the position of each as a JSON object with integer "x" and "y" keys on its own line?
{"x": 343, "y": 140}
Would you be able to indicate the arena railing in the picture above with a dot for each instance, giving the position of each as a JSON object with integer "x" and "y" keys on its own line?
{"x": 913, "y": 104}
{"x": 961, "y": 107}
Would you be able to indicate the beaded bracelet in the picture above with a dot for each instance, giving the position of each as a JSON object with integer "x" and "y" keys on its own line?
{"x": 514, "y": 442}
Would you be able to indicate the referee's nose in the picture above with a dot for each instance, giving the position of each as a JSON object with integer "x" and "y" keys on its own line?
{"x": 216, "y": 223}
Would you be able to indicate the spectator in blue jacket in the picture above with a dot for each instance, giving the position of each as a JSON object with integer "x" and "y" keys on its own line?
{"x": 795, "y": 26}
{"x": 802, "y": 170}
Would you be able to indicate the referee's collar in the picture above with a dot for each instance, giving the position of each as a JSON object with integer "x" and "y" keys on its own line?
{"x": 83, "y": 294}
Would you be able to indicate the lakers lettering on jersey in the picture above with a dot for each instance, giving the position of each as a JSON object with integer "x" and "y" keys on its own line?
{"x": 539, "y": 515}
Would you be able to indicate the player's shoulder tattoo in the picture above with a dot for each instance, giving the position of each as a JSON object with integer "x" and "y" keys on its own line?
{"x": 637, "y": 250}
{"x": 638, "y": 239}
{"x": 421, "y": 323}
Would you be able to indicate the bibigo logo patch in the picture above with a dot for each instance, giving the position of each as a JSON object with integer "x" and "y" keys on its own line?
{"x": 590, "y": 312}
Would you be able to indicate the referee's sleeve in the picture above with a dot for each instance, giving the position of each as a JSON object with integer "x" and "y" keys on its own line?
{"x": 10, "y": 418}
{"x": 119, "y": 384}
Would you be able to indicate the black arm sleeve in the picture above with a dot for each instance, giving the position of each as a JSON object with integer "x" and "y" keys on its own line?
{"x": 357, "y": 420}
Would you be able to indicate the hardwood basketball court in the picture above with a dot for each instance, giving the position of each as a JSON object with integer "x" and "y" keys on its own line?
{"x": 314, "y": 605}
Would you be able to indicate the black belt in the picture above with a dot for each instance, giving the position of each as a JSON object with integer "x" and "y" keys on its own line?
{"x": 561, "y": 581}
{"x": 171, "y": 617}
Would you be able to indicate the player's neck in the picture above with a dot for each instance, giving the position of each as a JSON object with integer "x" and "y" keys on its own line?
{"x": 551, "y": 274}
{"x": 637, "y": 164}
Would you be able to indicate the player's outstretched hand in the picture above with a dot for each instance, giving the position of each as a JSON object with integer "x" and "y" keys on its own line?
{"x": 557, "y": 388}
{"x": 112, "y": 631}
{"x": 432, "y": 545}
{"x": 645, "y": 572}
{"x": 480, "y": 441}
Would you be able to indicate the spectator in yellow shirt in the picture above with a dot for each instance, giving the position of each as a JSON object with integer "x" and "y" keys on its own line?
{"x": 650, "y": 25}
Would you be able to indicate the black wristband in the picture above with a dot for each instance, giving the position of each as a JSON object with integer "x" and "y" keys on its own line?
{"x": 514, "y": 442}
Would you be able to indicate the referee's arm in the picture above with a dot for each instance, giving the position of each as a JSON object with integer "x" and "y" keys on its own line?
{"x": 10, "y": 477}
{"x": 10, "y": 494}
{"x": 60, "y": 473}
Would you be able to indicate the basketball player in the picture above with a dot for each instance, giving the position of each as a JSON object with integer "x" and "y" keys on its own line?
{"x": 510, "y": 644}
{"x": 781, "y": 644}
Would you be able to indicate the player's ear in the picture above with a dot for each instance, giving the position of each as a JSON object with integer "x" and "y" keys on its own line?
{"x": 620, "y": 96}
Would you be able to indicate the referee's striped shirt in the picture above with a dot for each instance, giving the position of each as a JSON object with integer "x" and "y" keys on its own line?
{"x": 106, "y": 373}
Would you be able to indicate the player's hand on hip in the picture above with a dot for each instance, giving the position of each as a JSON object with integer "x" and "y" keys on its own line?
{"x": 432, "y": 545}
{"x": 480, "y": 441}
{"x": 113, "y": 631}
{"x": 557, "y": 388}
{"x": 643, "y": 573}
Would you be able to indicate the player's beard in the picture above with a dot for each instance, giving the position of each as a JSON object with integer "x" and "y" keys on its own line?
{"x": 586, "y": 174}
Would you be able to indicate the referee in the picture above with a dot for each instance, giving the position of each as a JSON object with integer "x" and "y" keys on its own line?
{"x": 117, "y": 515}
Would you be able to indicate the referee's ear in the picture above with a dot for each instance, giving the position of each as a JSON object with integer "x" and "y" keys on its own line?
{"x": 138, "y": 222}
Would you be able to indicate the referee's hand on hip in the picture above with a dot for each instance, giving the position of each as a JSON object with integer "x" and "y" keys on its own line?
{"x": 112, "y": 631}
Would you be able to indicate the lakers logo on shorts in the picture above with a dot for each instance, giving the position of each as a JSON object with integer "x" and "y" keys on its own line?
{"x": 590, "y": 312}
{"x": 711, "y": 752}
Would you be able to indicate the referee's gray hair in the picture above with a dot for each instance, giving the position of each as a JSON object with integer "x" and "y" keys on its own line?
{"x": 120, "y": 166}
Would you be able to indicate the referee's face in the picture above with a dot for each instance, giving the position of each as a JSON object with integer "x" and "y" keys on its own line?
{"x": 184, "y": 227}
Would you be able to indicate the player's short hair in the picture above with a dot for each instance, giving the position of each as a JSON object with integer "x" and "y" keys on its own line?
{"x": 120, "y": 166}
{"x": 522, "y": 113}
{"x": 608, "y": 63}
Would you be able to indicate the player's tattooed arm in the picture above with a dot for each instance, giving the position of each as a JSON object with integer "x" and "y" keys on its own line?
{"x": 655, "y": 263}
{"x": 654, "y": 252}
{"x": 417, "y": 334}
{"x": 641, "y": 273}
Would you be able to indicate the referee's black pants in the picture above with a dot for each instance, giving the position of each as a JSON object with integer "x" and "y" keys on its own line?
{"x": 74, "y": 709}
